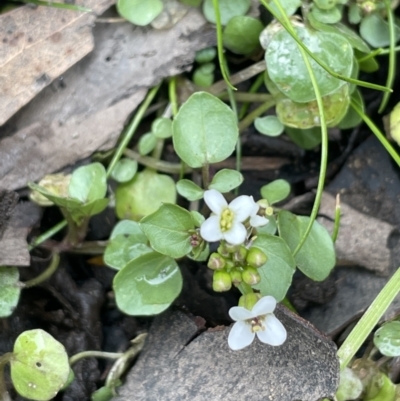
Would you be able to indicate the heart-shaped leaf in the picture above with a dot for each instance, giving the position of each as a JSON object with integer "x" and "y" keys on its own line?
{"x": 147, "y": 285}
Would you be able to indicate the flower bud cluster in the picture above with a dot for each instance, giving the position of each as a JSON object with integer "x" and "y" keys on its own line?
{"x": 234, "y": 264}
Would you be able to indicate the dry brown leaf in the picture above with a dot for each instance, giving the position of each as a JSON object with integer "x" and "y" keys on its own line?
{"x": 39, "y": 44}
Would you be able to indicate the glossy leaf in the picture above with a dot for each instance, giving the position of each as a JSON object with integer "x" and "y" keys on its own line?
{"x": 275, "y": 191}
{"x": 276, "y": 273}
{"x": 124, "y": 170}
{"x": 387, "y": 339}
{"x": 147, "y": 285}
{"x": 88, "y": 183}
{"x": 241, "y": 34}
{"x": 147, "y": 143}
{"x": 288, "y": 71}
{"x": 39, "y": 367}
{"x": 144, "y": 194}
{"x": 9, "y": 290}
{"x": 269, "y": 125}
{"x": 189, "y": 190}
{"x": 306, "y": 139}
{"x": 225, "y": 180}
{"x": 204, "y": 131}
{"x": 139, "y": 12}
{"x": 162, "y": 128}
{"x": 227, "y": 9}
{"x": 168, "y": 230}
{"x": 375, "y": 30}
{"x": 306, "y": 115}
{"x": 316, "y": 257}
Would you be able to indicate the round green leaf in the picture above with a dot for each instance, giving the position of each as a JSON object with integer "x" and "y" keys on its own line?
{"x": 204, "y": 131}
{"x": 276, "y": 274}
{"x": 269, "y": 125}
{"x": 9, "y": 290}
{"x": 288, "y": 71}
{"x": 139, "y": 12}
{"x": 227, "y": 9}
{"x": 290, "y": 6}
{"x": 306, "y": 115}
{"x": 275, "y": 191}
{"x": 123, "y": 248}
{"x": 39, "y": 367}
{"x": 167, "y": 230}
{"x": 124, "y": 170}
{"x": 189, "y": 190}
{"x": 147, "y": 143}
{"x": 316, "y": 257}
{"x": 387, "y": 339}
{"x": 307, "y": 138}
{"x": 203, "y": 77}
{"x": 331, "y": 16}
{"x": 147, "y": 285}
{"x": 206, "y": 55}
{"x": 225, "y": 180}
{"x": 241, "y": 34}
{"x": 143, "y": 195}
{"x": 375, "y": 30}
{"x": 162, "y": 127}
{"x": 88, "y": 183}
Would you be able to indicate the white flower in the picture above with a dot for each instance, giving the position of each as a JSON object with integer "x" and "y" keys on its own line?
{"x": 255, "y": 219}
{"x": 226, "y": 220}
{"x": 260, "y": 320}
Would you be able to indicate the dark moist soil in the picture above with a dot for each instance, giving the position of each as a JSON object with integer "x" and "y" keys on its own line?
{"x": 77, "y": 305}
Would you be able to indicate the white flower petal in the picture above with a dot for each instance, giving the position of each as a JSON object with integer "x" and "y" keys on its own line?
{"x": 274, "y": 333}
{"x": 255, "y": 207}
{"x": 240, "y": 336}
{"x": 242, "y": 206}
{"x": 210, "y": 229}
{"x": 236, "y": 235}
{"x": 258, "y": 221}
{"x": 264, "y": 305}
{"x": 240, "y": 313}
{"x": 215, "y": 201}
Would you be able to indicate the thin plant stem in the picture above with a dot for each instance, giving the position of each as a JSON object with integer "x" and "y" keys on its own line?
{"x": 48, "y": 234}
{"x": 386, "y": 144}
{"x": 392, "y": 56}
{"x": 132, "y": 128}
{"x": 248, "y": 120}
{"x": 251, "y": 95}
{"x": 46, "y": 274}
{"x": 369, "y": 320}
{"x": 173, "y": 99}
{"x": 336, "y": 224}
{"x": 220, "y": 46}
{"x": 94, "y": 354}
{"x": 205, "y": 174}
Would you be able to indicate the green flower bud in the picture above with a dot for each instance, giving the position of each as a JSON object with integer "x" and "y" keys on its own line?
{"x": 240, "y": 254}
{"x": 263, "y": 203}
{"x": 236, "y": 276}
{"x": 269, "y": 211}
{"x": 249, "y": 300}
{"x": 216, "y": 261}
{"x": 251, "y": 276}
{"x": 223, "y": 251}
{"x": 221, "y": 281}
{"x": 256, "y": 257}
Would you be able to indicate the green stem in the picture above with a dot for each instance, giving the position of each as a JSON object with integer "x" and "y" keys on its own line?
{"x": 4, "y": 359}
{"x": 48, "y": 234}
{"x": 94, "y": 354}
{"x": 386, "y": 144}
{"x": 248, "y": 120}
{"x": 369, "y": 320}
{"x": 252, "y": 95}
{"x": 132, "y": 128}
{"x": 246, "y": 97}
{"x": 205, "y": 173}
{"x": 55, "y": 5}
{"x": 172, "y": 96}
{"x": 392, "y": 56}
{"x": 45, "y": 275}
{"x": 337, "y": 219}
{"x": 220, "y": 45}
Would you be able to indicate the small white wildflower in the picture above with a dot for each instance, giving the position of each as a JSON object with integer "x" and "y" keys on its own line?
{"x": 260, "y": 320}
{"x": 226, "y": 220}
